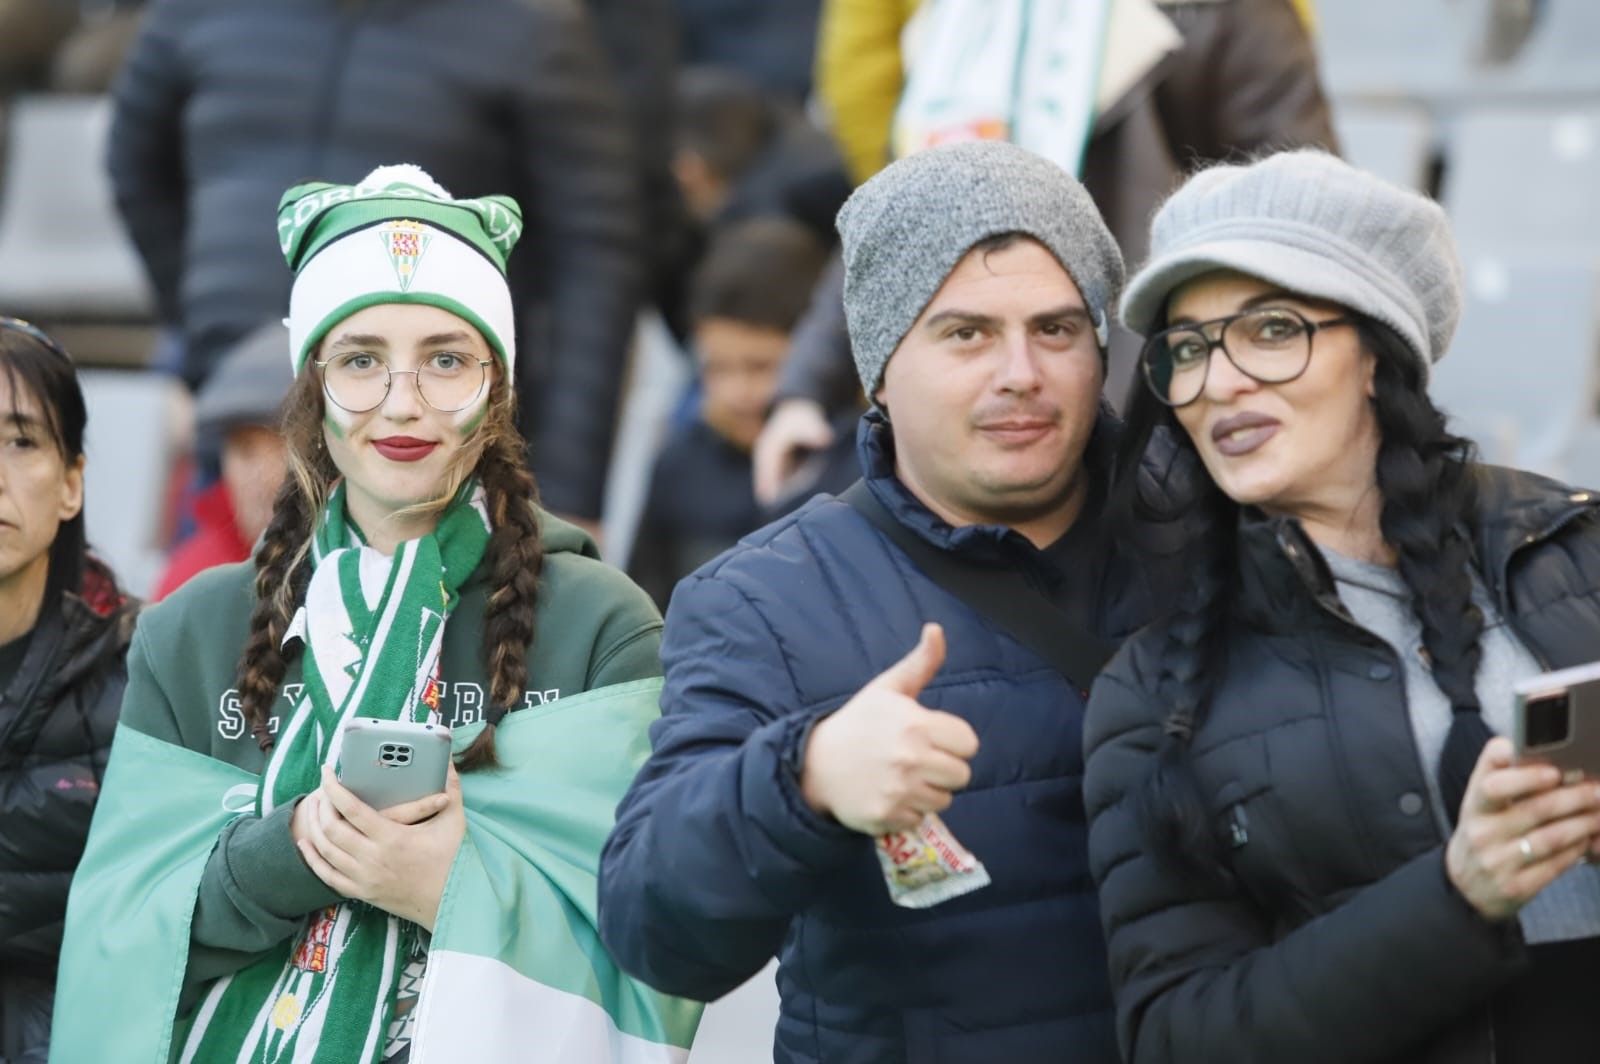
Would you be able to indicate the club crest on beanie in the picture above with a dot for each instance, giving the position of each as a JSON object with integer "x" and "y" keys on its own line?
{"x": 396, "y": 237}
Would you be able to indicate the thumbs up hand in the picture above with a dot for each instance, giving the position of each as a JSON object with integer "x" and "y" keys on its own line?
{"x": 882, "y": 761}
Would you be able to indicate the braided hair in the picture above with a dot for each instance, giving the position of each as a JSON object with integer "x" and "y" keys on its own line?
{"x": 1425, "y": 478}
{"x": 514, "y": 555}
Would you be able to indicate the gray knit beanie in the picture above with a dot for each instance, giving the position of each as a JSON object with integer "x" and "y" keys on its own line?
{"x": 1316, "y": 226}
{"x": 904, "y": 231}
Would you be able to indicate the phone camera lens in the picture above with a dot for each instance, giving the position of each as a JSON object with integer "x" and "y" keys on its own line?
{"x": 1549, "y": 720}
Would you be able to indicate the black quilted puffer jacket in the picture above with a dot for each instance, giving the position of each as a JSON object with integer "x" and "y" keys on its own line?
{"x": 56, "y": 721}
{"x": 1338, "y": 937}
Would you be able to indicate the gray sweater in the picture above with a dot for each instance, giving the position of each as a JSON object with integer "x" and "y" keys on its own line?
{"x": 1377, "y": 598}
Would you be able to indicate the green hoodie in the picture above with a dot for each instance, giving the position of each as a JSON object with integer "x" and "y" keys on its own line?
{"x": 593, "y": 628}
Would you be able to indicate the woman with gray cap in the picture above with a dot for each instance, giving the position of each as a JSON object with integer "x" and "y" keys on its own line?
{"x": 1308, "y": 843}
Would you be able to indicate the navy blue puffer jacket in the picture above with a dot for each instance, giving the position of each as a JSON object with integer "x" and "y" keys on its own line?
{"x": 717, "y": 863}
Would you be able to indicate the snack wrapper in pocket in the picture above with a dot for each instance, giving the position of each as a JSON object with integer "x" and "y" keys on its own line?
{"x": 926, "y": 866}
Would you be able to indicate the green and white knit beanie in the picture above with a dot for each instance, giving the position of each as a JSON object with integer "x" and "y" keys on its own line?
{"x": 397, "y": 237}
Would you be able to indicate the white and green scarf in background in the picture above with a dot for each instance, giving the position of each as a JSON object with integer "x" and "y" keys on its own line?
{"x": 516, "y": 970}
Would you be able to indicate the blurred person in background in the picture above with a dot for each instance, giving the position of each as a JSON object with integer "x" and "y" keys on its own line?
{"x": 238, "y": 405}
{"x": 740, "y": 155}
{"x": 747, "y": 295}
{"x": 1311, "y": 837}
{"x": 64, "y": 633}
{"x": 640, "y": 38}
{"x": 737, "y": 155}
{"x": 771, "y": 42}
{"x": 221, "y": 106}
{"x": 1241, "y": 78}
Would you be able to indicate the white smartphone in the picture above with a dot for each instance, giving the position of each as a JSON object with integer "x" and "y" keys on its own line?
{"x": 387, "y": 762}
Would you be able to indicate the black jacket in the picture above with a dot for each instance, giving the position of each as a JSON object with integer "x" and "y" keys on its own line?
{"x": 717, "y": 863}
{"x": 56, "y": 721}
{"x": 224, "y": 104}
{"x": 1340, "y": 938}
{"x": 771, "y": 42}
{"x": 701, "y": 501}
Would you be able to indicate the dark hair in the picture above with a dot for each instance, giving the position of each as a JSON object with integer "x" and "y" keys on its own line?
{"x": 1425, "y": 478}
{"x": 35, "y": 365}
{"x": 514, "y": 556}
{"x": 760, "y": 273}
{"x": 724, "y": 118}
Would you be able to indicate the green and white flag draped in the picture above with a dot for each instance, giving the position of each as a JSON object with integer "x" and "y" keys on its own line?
{"x": 516, "y": 970}
{"x": 515, "y": 962}
{"x": 373, "y": 626}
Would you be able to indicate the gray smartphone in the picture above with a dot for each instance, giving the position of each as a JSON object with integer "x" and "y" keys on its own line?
{"x": 387, "y": 762}
{"x": 1558, "y": 720}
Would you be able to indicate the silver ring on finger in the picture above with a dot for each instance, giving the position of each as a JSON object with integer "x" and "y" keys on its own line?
{"x": 1525, "y": 847}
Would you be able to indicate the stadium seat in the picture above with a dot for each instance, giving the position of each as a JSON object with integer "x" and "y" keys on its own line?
{"x": 139, "y": 426}
{"x": 1523, "y": 178}
{"x": 1393, "y": 140}
{"x": 1521, "y": 378}
{"x": 63, "y": 253}
{"x": 1383, "y": 49}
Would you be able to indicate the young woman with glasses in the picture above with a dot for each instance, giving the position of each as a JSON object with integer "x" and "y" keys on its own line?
{"x": 64, "y": 634}
{"x": 238, "y": 900}
{"x": 1309, "y": 843}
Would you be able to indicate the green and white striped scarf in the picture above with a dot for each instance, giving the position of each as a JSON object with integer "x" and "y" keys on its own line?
{"x": 373, "y": 627}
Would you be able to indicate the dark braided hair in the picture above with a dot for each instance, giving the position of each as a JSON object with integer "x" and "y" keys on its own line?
{"x": 514, "y": 555}
{"x": 1425, "y": 478}
{"x": 1429, "y": 504}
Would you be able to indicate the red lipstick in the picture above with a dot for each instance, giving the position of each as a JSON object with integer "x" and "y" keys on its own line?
{"x": 404, "y": 448}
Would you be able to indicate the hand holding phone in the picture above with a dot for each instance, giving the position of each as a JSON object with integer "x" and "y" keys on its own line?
{"x": 397, "y": 860}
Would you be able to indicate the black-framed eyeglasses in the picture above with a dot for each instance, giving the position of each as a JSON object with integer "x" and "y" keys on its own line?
{"x": 33, "y": 332}
{"x": 1270, "y": 344}
{"x": 359, "y": 381}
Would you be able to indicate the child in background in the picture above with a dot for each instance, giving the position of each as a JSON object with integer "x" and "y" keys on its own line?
{"x": 238, "y": 404}
{"x": 746, "y": 296}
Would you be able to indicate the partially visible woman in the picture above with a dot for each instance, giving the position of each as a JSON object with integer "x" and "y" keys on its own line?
{"x": 64, "y": 634}
{"x": 1308, "y": 844}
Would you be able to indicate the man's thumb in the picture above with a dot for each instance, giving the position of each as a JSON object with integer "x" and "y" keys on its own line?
{"x": 916, "y": 670}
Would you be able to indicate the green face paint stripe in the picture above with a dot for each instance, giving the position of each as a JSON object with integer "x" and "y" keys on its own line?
{"x": 472, "y": 426}
{"x": 332, "y": 425}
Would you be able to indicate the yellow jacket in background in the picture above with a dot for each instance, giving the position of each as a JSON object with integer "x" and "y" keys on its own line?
{"x": 859, "y": 76}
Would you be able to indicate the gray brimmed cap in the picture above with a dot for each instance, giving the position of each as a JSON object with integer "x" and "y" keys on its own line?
{"x": 249, "y": 384}
{"x": 1314, "y": 225}
{"x": 904, "y": 231}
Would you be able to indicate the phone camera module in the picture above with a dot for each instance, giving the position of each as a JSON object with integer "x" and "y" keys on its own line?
{"x": 1549, "y": 720}
{"x": 394, "y": 755}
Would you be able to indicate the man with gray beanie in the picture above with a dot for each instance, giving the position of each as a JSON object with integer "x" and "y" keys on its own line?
{"x": 869, "y": 758}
